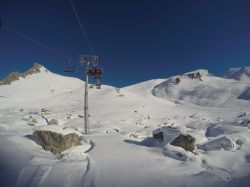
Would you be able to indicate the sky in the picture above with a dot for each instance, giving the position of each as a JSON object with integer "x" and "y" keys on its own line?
{"x": 136, "y": 40}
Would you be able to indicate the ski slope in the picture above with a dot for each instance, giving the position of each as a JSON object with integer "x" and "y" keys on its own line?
{"x": 214, "y": 110}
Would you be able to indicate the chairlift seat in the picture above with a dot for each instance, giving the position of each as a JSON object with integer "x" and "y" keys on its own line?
{"x": 69, "y": 69}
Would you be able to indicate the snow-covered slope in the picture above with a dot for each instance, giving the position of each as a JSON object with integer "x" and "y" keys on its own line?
{"x": 242, "y": 73}
{"x": 245, "y": 95}
{"x": 121, "y": 125}
{"x": 38, "y": 85}
{"x": 144, "y": 88}
{"x": 200, "y": 87}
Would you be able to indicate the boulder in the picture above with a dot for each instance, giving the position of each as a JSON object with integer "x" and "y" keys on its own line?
{"x": 34, "y": 121}
{"x": 184, "y": 141}
{"x": 57, "y": 139}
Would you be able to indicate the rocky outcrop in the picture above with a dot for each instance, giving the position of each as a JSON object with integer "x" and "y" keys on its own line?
{"x": 57, "y": 142}
{"x": 184, "y": 141}
{"x": 14, "y": 76}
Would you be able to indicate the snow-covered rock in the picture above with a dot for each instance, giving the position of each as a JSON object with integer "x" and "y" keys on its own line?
{"x": 166, "y": 134}
{"x": 56, "y": 139}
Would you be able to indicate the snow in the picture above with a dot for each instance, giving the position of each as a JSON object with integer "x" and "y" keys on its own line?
{"x": 245, "y": 95}
{"x": 123, "y": 152}
{"x": 242, "y": 73}
{"x": 57, "y": 129}
{"x": 208, "y": 90}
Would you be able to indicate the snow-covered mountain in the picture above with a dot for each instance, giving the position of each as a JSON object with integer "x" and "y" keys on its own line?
{"x": 202, "y": 88}
{"x": 242, "y": 73}
{"x": 214, "y": 110}
{"x": 35, "y": 84}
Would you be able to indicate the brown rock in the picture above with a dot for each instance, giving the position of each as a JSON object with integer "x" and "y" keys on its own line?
{"x": 184, "y": 141}
{"x": 56, "y": 142}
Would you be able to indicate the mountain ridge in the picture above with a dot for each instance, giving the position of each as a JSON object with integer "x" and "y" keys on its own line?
{"x": 15, "y": 75}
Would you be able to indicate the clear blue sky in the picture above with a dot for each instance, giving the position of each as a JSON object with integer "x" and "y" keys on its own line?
{"x": 136, "y": 40}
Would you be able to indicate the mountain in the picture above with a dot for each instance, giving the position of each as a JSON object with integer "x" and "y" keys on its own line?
{"x": 35, "y": 84}
{"x": 242, "y": 73}
{"x": 200, "y": 87}
{"x": 215, "y": 111}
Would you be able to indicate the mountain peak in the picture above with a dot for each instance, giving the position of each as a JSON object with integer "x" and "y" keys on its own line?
{"x": 14, "y": 76}
{"x": 199, "y": 71}
{"x": 36, "y": 68}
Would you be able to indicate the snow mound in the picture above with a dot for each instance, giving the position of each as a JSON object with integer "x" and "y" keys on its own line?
{"x": 242, "y": 73}
{"x": 168, "y": 134}
{"x": 218, "y": 144}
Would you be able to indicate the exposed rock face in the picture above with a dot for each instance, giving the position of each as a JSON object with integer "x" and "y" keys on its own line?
{"x": 35, "y": 69}
{"x": 14, "y": 76}
{"x": 184, "y": 141}
{"x": 57, "y": 142}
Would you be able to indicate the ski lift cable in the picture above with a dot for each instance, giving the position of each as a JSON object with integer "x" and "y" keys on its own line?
{"x": 34, "y": 41}
{"x": 81, "y": 26}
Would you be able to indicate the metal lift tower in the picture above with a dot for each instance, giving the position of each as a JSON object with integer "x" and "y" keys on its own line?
{"x": 90, "y": 64}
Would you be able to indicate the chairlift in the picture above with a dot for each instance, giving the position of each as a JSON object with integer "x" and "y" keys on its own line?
{"x": 70, "y": 68}
{"x": 95, "y": 72}
{"x": 98, "y": 84}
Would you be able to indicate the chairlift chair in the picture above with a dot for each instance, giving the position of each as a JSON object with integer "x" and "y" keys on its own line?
{"x": 95, "y": 72}
{"x": 70, "y": 68}
{"x": 98, "y": 84}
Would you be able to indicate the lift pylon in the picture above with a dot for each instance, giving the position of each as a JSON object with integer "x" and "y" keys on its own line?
{"x": 91, "y": 68}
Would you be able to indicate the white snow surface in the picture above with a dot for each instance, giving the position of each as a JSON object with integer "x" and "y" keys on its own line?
{"x": 242, "y": 73}
{"x": 123, "y": 152}
{"x": 57, "y": 129}
{"x": 206, "y": 91}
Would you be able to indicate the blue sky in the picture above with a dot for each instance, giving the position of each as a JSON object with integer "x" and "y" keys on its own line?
{"x": 136, "y": 40}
